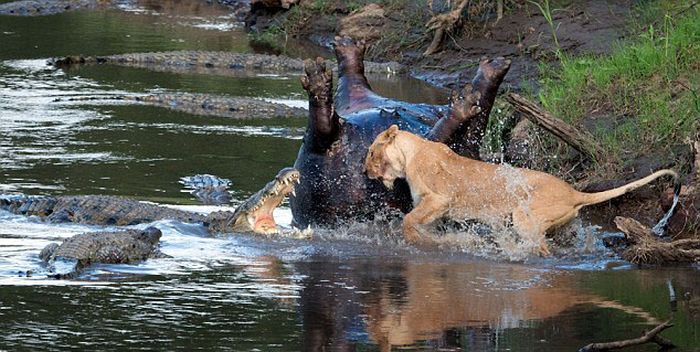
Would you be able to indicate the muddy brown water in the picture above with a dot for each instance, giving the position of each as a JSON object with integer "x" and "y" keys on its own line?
{"x": 243, "y": 293}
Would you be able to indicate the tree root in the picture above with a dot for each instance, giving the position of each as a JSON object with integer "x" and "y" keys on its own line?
{"x": 442, "y": 24}
{"x": 645, "y": 248}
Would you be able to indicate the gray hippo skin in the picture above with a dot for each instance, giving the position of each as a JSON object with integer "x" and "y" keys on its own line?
{"x": 333, "y": 187}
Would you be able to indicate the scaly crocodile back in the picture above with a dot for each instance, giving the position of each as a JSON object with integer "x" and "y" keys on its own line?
{"x": 111, "y": 247}
{"x": 94, "y": 210}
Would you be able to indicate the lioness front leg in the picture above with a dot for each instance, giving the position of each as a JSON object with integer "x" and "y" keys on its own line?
{"x": 428, "y": 210}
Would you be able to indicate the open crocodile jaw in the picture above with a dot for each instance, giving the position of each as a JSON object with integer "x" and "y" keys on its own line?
{"x": 260, "y": 218}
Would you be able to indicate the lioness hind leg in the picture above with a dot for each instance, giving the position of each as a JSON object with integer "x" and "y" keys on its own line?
{"x": 527, "y": 226}
{"x": 428, "y": 210}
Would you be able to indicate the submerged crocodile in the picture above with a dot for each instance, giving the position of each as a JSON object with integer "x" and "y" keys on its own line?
{"x": 253, "y": 215}
{"x": 214, "y": 62}
{"x": 119, "y": 247}
{"x": 240, "y": 108}
{"x": 208, "y": 189}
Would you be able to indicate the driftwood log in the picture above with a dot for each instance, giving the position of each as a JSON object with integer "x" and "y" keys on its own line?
{"x": 645, "y": 248}
{"x": 442, "y": 24}
{"x": 647, "y": 336}
{"x": 446, "y": 22}
{"x": 579, "y": 140}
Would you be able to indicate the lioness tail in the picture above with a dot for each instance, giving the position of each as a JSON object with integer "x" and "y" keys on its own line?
{"x": 599, "y": 197}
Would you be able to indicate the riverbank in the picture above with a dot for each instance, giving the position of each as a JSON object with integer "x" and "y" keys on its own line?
{"x": 396, "y": 31}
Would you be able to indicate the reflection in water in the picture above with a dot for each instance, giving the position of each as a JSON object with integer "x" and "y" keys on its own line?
{"x": 461, "y": 306}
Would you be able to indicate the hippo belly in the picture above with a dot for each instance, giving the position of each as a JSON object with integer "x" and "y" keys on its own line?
{"x": 341, "y": 127}
{"x": 334, "y": 187}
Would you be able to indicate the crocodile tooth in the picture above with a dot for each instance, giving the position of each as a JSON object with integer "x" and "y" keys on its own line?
{"x": 294, "y": 193}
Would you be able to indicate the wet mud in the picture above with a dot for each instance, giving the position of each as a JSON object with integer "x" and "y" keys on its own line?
{"x": 526, "y": 38}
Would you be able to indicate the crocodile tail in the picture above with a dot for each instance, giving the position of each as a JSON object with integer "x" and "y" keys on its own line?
{"x": 27, "y": 205}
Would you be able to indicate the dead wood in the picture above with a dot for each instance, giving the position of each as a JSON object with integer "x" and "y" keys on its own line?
{"x": 499, "y": 10}
{"x": 649, "y": 336}
{"x": 579, "y": 140}
{"x": 645, "y": 248}
{"x": 442, "y": 24}
{"x": 685, "y": 223}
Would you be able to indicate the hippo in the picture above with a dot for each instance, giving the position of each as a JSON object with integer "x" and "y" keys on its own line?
{"x": 333, "y": 187}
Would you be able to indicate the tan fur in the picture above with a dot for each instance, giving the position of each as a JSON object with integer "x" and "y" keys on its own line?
{"x": 445, "y": 184}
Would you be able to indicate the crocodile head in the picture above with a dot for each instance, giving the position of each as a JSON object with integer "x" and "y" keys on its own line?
{"x": 150, "y": 236}
{"x": 255, "y": 214}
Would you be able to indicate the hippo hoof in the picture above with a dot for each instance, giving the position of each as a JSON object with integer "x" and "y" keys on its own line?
{"x": 465, "y": 104}
{"x": 494, "y": 69}
{"x": 318, "y": 81}
{"x": 346, "y": 47}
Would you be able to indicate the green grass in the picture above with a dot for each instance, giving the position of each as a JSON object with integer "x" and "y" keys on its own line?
{"x": 648, "y": 86}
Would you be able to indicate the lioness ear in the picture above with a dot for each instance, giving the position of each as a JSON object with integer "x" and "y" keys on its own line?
{"x": 391, "y": 132}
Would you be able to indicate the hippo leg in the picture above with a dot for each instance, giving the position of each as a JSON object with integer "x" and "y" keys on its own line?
{"x": 463, "y": 106}
{"x": 353, "y": 93}
{"x": 465, "y": 137}
{"x": 488, "y": 78}
{"x": 324, "y": 123}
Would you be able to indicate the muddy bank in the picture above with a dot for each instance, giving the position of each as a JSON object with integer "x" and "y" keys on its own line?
{"x": 51, "y": 7}
{"x": 526, "y": 37}
{"x": 523, "y": 35}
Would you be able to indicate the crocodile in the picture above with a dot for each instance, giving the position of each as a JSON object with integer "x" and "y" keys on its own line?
{"x": 51, "y": 7}
{"x": 240, "y": 108}
{"x": 212, "y": 62}
{"x": 256, "y": 212}
{"x": 117, "y": 247}
{"x": 208, "y": 189}
{"x": 253, "y": 215}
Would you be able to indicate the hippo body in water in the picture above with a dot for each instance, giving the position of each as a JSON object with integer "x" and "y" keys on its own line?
{"x": 334, "y": 187}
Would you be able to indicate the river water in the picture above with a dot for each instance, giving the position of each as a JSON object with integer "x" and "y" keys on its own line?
{"x": 243, "y": 293}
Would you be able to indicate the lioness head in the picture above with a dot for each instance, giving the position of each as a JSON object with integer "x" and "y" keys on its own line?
{"x": 384, "y": 161}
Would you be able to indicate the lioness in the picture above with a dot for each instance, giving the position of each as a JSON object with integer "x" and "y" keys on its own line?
{"x": 444, "y": 183}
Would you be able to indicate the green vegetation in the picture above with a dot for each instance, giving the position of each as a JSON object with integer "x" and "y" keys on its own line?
{"x": 643, "y": 97}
